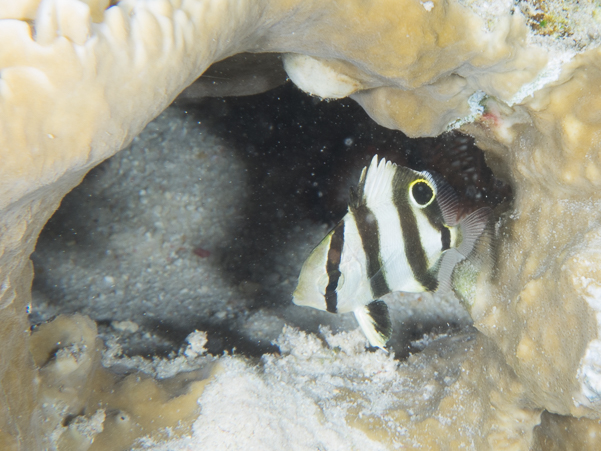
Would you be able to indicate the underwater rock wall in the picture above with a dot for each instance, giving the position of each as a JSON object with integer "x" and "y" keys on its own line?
{"x": 542, "y": 304}
{"x": 79, "y": 81}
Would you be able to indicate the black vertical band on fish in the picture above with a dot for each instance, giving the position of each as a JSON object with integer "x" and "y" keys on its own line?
{"x": 367, "y": 225}
{"x": 333, "y": 267}
{"x": 445, "y": 237}
{"x": 434, "y": 217}
{"x": 414, "y": 251}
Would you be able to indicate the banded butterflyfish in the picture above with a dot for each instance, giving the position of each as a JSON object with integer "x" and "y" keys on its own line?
{"x": 401, "y": 233}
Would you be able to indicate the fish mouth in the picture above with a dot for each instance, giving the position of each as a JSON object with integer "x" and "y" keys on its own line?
{"x": 295, "y": 299}
{"x": 298, "y": 299}
{"x": 297, "y": 295}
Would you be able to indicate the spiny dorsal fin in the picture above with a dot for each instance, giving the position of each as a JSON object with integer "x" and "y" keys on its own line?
{"x": 375, "y": 184}
{"x": 356, "y": 194}
{"x": 374, "y": 320}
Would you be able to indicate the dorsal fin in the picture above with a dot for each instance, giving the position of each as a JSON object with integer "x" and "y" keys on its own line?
{"x": 356, "y": 194}
{"x": 375, "y": 184}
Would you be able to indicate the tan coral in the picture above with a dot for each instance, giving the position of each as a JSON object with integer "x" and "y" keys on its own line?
{"x": 456, "y": 394}
{"x": 85, "y": 82}
{"x": 86, "y": 406}
{"x": 70, "y": 98}
{"x": 559, "y": 433}
{"x": 542, "y": 307}
{"x": 482, "y": 409}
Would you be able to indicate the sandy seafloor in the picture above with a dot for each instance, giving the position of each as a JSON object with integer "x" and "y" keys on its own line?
{"x": 203, "y": 223}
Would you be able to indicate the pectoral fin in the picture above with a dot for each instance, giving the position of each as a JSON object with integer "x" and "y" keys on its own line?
{"x": 446, "y": 266}
{"x": 476, "y": 234}
{"x": 374, "y": 320}
{"x": 473, "y": 227}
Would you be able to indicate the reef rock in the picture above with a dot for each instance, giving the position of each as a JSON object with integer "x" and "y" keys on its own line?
{"x": 86, "y": 406}
{"x": 79, "y": 80}
{"x": 542, "y": 303}
{"x": 455, "y": 394}
{"x": 560, "y": 433}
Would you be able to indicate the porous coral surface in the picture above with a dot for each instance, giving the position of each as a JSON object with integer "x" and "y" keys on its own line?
{"x": 79, "y": 81}
{"x": 334, "y": 395}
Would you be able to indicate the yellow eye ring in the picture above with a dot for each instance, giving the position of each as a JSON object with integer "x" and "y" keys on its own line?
{"x": 422, "y": 193}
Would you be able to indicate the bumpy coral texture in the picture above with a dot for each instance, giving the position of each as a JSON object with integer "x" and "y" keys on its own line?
{"x": 79, "y": 85}
{"x": 559, "y": 433}
{"x": 543, "y": 306}
{"x": 334, "y": 395}
{"x": 88, "y": 407}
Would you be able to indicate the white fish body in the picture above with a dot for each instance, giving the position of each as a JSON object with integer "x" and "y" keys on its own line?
{"x": 400, "y": 234}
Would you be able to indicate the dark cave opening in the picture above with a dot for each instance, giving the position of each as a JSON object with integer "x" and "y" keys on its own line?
{"x": 301, "y": 155}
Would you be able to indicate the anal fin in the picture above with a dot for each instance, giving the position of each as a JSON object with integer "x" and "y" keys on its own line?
{"x": 374, "y": 320}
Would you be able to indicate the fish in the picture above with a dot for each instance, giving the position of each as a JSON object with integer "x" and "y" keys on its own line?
{"x": 401, "y": 233}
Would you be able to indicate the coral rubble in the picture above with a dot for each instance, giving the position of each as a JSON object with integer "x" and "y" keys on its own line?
{"x": 80, "y": 79}
{"x": 456, "y": 393}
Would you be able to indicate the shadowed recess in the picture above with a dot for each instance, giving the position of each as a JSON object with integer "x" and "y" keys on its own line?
{"x": 300, "y": 156}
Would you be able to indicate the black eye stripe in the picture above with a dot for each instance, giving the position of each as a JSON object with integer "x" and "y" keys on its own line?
{"x": 422, "y": 193}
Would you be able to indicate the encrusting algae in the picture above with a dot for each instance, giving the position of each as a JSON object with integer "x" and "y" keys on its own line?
{"x": 79, "y": 81}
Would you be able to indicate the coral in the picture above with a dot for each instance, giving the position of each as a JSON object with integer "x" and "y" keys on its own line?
{"x": 334, "y": 395}
{"x": 542, "y": 306}
{"x": 79, "y": 80}
{"x": 240, "y": 75}
{"x": 86, "y": 406}
{"x": 564, "y": 19}
{"x": 556, "y": 433}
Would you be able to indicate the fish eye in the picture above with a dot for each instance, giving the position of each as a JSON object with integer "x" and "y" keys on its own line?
{"x": 422, "y": 192}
